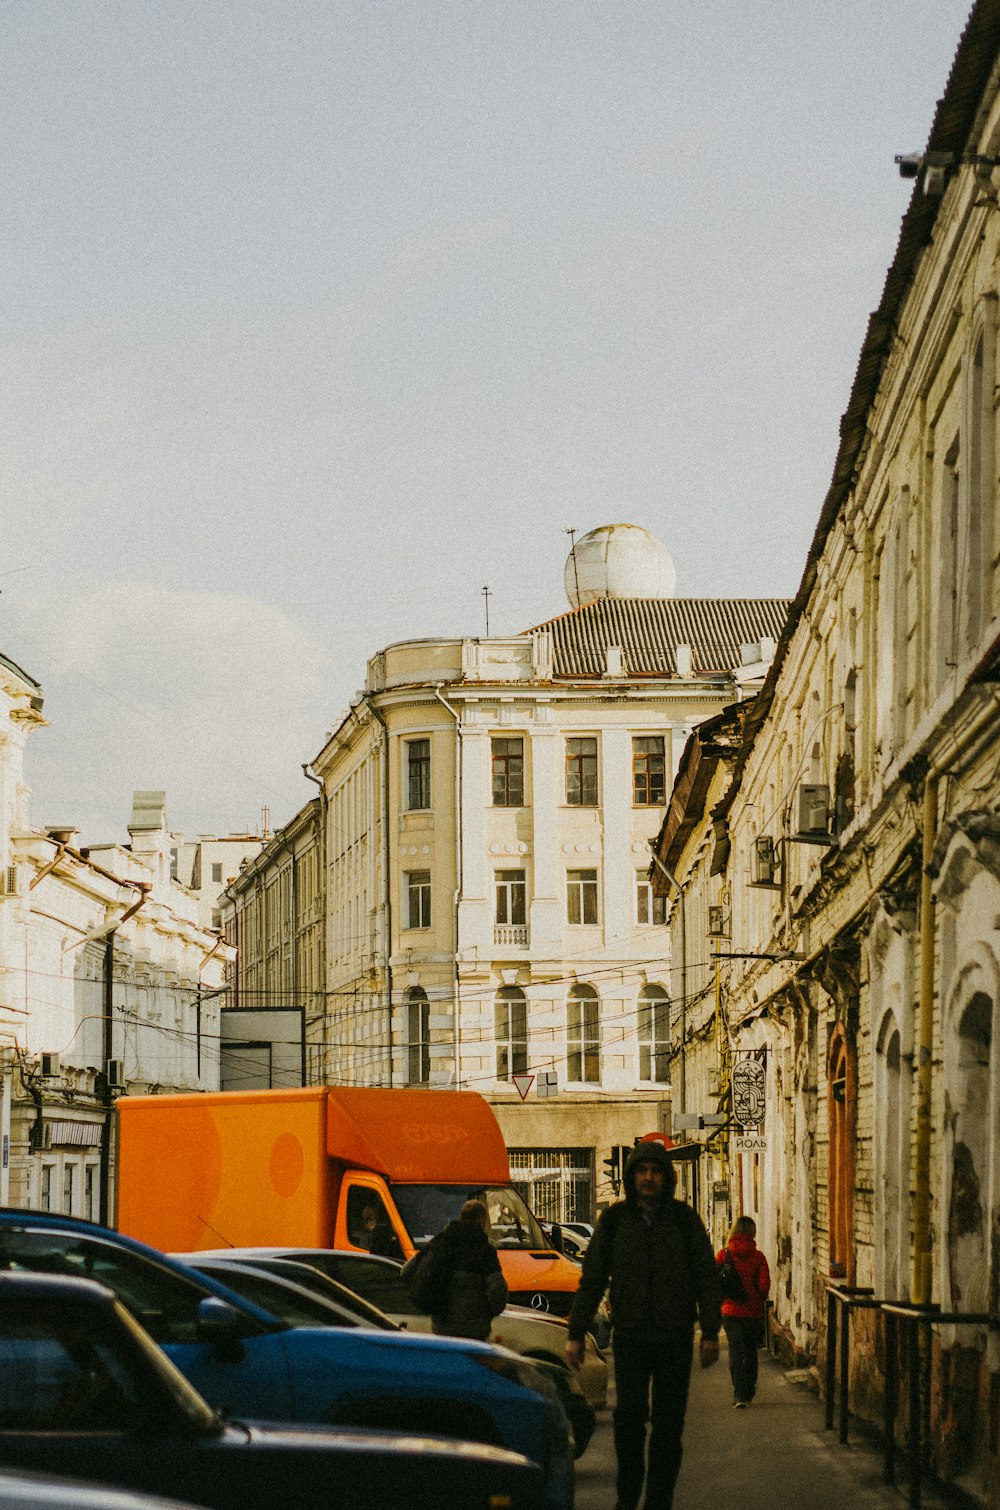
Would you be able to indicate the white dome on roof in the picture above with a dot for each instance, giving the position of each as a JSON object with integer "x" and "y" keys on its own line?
{"x": 618, "y": 561}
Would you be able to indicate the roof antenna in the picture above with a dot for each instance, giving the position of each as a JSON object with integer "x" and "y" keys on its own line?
{"x": 486, "y": 597}
{"x": 572, "y": 552}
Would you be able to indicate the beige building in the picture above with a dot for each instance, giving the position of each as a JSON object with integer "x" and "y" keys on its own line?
{"x": 206, "y": 865}
{"x": 490, "y": 806}
{"x": 852, "y": 847}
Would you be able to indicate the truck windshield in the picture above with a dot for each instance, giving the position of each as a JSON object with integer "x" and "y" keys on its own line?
{"x": 426, "y": 1209}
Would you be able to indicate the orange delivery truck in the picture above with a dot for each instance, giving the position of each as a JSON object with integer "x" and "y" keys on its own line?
{"x": 379, "y": 1171}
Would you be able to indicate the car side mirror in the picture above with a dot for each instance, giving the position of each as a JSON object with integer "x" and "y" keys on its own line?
{"x": 556, "y": 1238}
{"x": 219, "y": 1323}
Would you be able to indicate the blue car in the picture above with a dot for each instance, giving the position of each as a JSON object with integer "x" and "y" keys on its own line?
{"x": 246, "y": 1362}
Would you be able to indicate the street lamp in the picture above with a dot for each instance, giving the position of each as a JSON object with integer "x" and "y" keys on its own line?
{"x": 683, "y": 1018}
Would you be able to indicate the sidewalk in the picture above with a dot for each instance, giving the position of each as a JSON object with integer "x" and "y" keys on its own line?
{"x": 775, "y": 1455}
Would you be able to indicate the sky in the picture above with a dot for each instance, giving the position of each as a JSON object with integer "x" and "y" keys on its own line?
{"x": 318, "y": 316}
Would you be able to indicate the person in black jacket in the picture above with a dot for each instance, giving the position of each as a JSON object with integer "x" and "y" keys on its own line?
{"x": 658, "y": 1257}
{"x": 473, "y": 1285}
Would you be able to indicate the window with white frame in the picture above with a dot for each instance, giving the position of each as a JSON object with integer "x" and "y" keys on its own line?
{"x": 581, "y": 896}
{"x": 418, "y": 1034}
{"x": 90, "y": 1192}
{"x": 510, "y": 896}
{"x": 649, "y": 908}
{"x": 69, "y": 1184}
{"x": 510, "y": 1020}
{"x": 216, "y": 870}
{"x": 654, "y": 1035}
{"x": 418, "y": 899}
{"x": 583, "y": 1035}
{"x": 418, "y": 774}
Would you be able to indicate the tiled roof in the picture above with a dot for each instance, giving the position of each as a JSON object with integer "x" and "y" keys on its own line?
{"x": 650, "y": 629}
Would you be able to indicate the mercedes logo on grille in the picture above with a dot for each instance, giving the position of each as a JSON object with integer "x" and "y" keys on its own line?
{"x": 539, "y": 1302}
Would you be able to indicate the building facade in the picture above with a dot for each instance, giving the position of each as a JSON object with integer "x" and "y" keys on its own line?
{"x": 851, "y": 846}
{"x": 490, "y": 806}
{"x": 109, "y": 984}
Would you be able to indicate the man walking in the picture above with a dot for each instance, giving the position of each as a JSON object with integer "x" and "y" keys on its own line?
{"x": 658, "y": 1257}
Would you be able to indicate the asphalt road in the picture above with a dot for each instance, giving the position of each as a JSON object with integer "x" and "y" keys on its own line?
{"x": 775, "y": 1455}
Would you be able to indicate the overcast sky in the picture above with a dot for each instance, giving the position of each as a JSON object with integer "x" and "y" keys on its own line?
{"x": 319, "y": 315}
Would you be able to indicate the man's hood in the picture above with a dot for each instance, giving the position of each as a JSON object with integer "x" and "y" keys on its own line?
{"x": 649, "y": 1153}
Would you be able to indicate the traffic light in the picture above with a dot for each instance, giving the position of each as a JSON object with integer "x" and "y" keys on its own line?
{"x": 613, "y": 1169}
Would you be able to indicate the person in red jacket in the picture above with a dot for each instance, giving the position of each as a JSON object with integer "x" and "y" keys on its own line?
{"x": 743, "y": 1320}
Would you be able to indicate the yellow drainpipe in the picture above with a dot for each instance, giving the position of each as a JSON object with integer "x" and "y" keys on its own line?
{"x": 922, "y": 1277}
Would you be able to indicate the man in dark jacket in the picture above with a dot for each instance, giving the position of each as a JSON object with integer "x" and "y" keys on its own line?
{"x": 658, "y": 1257}
{"x": 473, "y": 1285}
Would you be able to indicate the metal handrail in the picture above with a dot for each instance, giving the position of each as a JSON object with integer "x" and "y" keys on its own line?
{"x": 849, "y": 1298}
{"x": 913, "y": 1317}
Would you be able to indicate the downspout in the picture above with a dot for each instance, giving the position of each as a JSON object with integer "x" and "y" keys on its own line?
{"x": 457, "y": 896}
{"x": 387, "y": 902}
{"x": 308, "y": 774}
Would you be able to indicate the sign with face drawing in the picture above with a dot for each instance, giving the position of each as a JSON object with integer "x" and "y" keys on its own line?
{"x": 748, "y": 1093}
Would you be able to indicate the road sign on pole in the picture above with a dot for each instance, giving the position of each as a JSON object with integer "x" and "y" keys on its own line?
{"x": 523, "y": 1084}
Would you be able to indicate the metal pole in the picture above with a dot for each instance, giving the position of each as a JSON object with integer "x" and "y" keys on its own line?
{"x": 683, "y": 932}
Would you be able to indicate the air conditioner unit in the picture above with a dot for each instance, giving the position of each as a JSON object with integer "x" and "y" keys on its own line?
{"x": 718, "y": 923}
{"x": 114, "y": 1074}
{"x": 814, "y": 811}
{"x": 49, "y": 1066}
{"x": 763, "y": 862}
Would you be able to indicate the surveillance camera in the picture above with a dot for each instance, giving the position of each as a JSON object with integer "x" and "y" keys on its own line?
{"x": 909, "y": 164}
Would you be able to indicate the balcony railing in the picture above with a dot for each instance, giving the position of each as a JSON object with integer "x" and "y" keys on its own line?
{"x": 511, "y": 935}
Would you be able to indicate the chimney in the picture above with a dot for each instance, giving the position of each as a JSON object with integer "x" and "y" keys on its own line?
{"x": 684, "y": 658}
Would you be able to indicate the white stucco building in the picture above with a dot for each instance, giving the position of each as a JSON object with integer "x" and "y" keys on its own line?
{"x": 489, "y": 807}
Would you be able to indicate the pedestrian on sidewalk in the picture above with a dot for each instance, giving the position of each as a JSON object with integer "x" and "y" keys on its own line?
{"x": 743, "y": 1320}
{"x": 468, "y": 1284}
{"x": 658, "y": 1257}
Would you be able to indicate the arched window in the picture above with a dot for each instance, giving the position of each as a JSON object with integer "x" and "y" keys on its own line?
{"x": 841, "y": 1110}
{"x": 510, "y": 1020}
{"x": 583, "y": 1035}
{"x": 976, "y": 542}
{"x": 891, "y": 1155}
{"x": 418, "y": 1034}
{"x": 654, "y": 1035}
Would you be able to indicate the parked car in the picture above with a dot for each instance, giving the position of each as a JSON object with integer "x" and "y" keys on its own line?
{"x": 535, "y": 1334}
{"x": 44, "y": 1491}
{"x": 247, "y": 1361}
{"x": 298, "y": 1294}
{"x": 85, "y": 1392}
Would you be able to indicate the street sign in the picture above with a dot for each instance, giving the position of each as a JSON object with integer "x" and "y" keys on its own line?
{"x": 749, "y": 1143}
{"x": 548, "y": 1084}
{"x": 523, "y": 1084}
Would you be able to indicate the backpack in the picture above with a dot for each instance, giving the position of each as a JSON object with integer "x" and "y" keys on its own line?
{"x": 730, "y": 1282}
{"x": 426, "y": 1277}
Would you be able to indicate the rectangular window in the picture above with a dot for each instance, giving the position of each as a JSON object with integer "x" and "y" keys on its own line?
{"x": 648, "y": 771}
{"x": 46, "y": 1187}
{"x": 654, "y": 1039}
{"x": 649, "y": 908}
{"x": 510, "y": 1018}
{"x": 581, "y": 772}
{"x": 69, "y": 1180}
{"x": 418, "y": 774}
{"x": 418, "y": 899}
{"x": 510, "y": 890}
{"x": 583, "y": 1040}
{"x": 216, "y": 871}
{"x": 90, "y": 1192}
{"x": 581, "y": 896}
{"x": 508, "y": 772}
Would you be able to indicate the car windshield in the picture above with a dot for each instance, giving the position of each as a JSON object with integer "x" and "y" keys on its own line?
{"x": 427, "y": 1208}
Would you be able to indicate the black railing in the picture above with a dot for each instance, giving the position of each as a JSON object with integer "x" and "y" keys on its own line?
{"x": 916, "y": 1371}
{"x": 845, "y": 1299}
